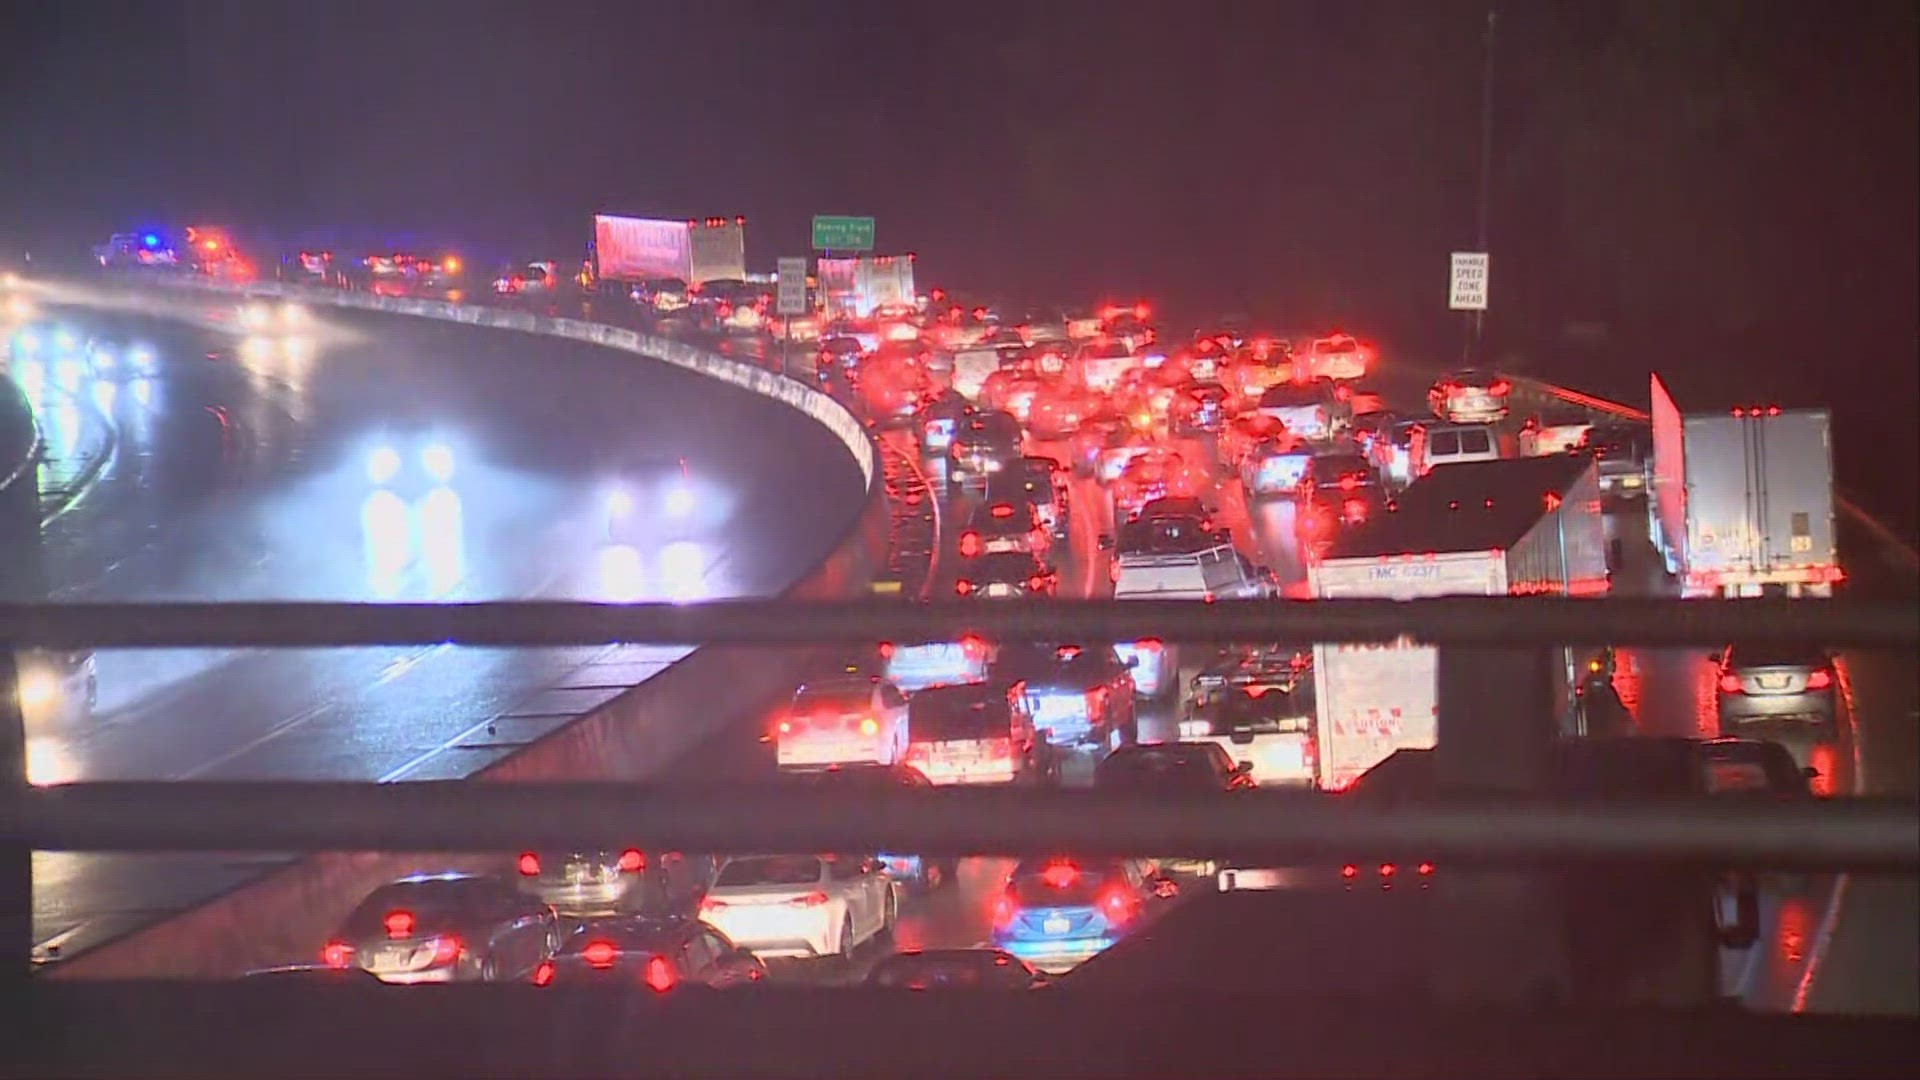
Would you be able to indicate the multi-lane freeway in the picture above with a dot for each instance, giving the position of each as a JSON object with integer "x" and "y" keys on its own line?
{"x": 250, "y": 466}
{"x": 240, "y": 449}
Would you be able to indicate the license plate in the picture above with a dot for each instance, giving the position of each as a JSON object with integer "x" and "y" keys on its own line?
{"x": 389, "y": 959}
{"x": 999, "y": 589}
{"x": 1773, "y": 682}
{"x": 997, "y": 546}
{"x": 1055, "y": 926}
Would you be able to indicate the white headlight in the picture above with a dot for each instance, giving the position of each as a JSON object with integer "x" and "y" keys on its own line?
{"x": 437, "y": 459}
{"x": 141, "y": 357}
{"x": 383, "y": 465}
{"x": 679, "y": 501}
{"x": 27, "y": 342}
{"x": 293, "y": 313}
{"x": 619, "y": 503}
{"x": 64, "y": 340}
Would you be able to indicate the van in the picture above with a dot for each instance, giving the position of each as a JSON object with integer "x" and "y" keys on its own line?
{"x": 1216, "y": 572}
{"x": 1448, "y": 444}
{"x": 976, "y": 734}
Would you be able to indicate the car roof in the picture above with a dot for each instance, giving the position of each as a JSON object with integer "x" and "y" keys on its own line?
{"x": 1466, "y": 506}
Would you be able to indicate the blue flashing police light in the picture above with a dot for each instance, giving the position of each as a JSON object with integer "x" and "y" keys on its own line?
{"x": 152, "y": 240}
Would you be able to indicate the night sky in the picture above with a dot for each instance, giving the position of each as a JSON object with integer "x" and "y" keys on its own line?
{"x": 1723, "y": 191}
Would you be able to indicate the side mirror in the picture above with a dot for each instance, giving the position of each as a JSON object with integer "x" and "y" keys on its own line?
{"x": 1810, "y": 773}
{"x": 1133, "y": 662}
{"x": 1243, "y": 766}
{"x": 1715, "y": 657}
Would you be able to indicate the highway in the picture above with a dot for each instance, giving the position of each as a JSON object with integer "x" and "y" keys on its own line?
{"x": 243, "y": 473}
{"x": 1812, "y": 953}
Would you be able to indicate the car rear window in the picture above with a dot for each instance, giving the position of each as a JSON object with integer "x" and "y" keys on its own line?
{"x": 834, "y": 696}
{"x": 770, "y": 870}
{"x": 1082, "y": 888}
{"x": 1776, "y": 656}
{"x": 1475, "y": 442}
{"x": 1443, "y": 444}
{"x": 432, "y": 904}
{"x": 959, "y": 712}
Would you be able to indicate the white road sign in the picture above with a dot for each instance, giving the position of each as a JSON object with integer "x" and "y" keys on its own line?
{"x": 790, "y": 296}
{"x": 1468, "y": 288}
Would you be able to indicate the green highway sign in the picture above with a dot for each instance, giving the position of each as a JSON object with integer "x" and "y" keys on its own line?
{"x": 835, "y": 232}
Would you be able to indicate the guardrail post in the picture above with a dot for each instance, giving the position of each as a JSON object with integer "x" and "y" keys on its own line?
{"x": 1504, "y": 940}
{"x": 16, "y": 855}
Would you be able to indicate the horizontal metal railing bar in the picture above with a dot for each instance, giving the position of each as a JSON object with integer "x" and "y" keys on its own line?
{"x": 1459, "y": 621}
{"x": 450, "y": 816}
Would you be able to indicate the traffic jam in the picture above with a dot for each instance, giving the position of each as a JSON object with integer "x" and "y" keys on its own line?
{"x": 1101, "y": 453}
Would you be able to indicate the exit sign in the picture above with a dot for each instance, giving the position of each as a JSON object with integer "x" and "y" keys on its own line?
{"x": 835, "y": 232}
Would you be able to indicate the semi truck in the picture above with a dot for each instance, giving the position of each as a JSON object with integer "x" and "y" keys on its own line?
{"x": 1514, "y": 527}
{"x": 859, "y": 286}
{"x": 634, "y": 250}
{"x": 1740, "y": 500}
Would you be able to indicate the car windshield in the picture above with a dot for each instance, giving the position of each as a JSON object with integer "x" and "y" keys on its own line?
{"x": 429, "y": 905}
{"x": 769, "y": 870}
{"x": 959, "y": 712}
{"x": 1062, "y": 884}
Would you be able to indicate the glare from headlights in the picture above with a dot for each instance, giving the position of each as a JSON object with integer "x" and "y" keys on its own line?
{"x": 1194, "y": 729}
{"x": 679, "y": 502}
{"x": 104, "y": 359}
{"x": 619, "y": 503}
{"x": 140, "y": 357}
{"x": 437, "y": 459}
{"x": 19, "y": 307}
{"x": 64, "y": 340}
{"x": 254, "y": 314}
{"x": 38, "y": 688}
{"x": 292, "y": 313}
{"x": 27, "y": 342}
{"x": 383, "y": 465}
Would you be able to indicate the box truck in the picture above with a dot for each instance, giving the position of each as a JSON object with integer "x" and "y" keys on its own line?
{"x": 859, "y": 286}
{"x": 691, "y": 250}
{"x": 1741, "y": 500}
{"x": 1516, "y": 527}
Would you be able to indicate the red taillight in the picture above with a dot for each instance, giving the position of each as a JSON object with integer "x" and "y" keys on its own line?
{"x": 1730, "y": 684}
{"x": 1257, "y": 690}
{"x": 1387, "y": 869}
{"x": 1002, "y": 510}
{"x": 1500, "y": 388}
{"x": 1426, "y": 869}
{"x": 446, "y": 949}
{"x": 708, "y": 903}
{"x": 974, "y": 647}
{"x": 1097, "y": 699}
{"x": 632, "y": 861}
{"x": 1036, "y": 583}
{"x": 1349, "y": 483}
{"x": 1820, "y": 680}
{"x": 963, "y": 587}
{"x": 1349, "y": 871}
{"x": 1060, "y": 875}
{"x": 599, "y": 953}
{"x": 1039, "y": 537}
{"x": 337, "y": 954}
{"x": 1002, "y": 910}
{"x": 1354, "y": 511}
{"x": 886, "y": 650}
{"x": 812, "y": 899}
{"x": 543, "y": 975}
{"x": 398, "y": 923}
{"x": 529, "y": 864}
{"x": 969, "y": 545}
{"x": 660, "y": 974}
{"x": 1152, "y": 645}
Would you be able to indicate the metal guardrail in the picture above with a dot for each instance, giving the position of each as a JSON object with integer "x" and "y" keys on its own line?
{"x": 1474, "y": 622}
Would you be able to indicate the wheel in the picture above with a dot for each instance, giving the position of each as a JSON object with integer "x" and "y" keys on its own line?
{"x": 891, "y": 916}
{"x": 846, "y": 939}
{"x": 489, "y": 970}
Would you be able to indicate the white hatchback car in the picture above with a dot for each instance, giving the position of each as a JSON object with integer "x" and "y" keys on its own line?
{"x": 844, "y": 721}
{"x": 801, "y": 905}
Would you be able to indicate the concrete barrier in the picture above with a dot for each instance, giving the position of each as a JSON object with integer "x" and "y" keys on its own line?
{"x": 287, "y": 915}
